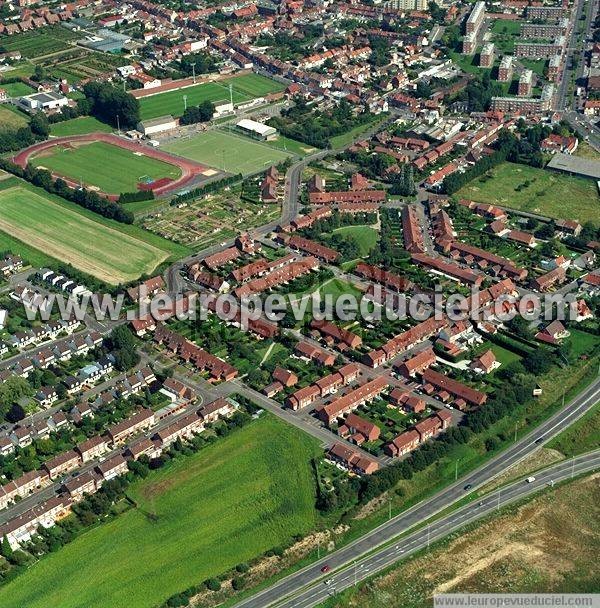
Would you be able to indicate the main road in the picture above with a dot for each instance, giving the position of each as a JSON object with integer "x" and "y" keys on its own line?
{"x": 293, "y": 584}
{"x": 421, "y": 539}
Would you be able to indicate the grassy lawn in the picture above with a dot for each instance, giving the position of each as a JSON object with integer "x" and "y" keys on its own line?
{"x": 60, "y": 231}
{"x": 104, "y": 166}
{"x": 337, "y": 287}
{"x": 537, "y": 191}
{"x": 582, "y": 436}
{"x": 227, "y": 504}
{"x": 536, "y": 66}
{"x": 365, "y": 236}
{"x": 584, "y": 150}
{"x": 233, "y": 153}
{"x": 11, "y": 118}
{"x": 79, "y": 126}
{"x": 291, "y": 145}
{"x": 582, "y": 342}
{"x": 503, "y": 355}
{"x": 340, "y": 141}
{"x": 245, "y": 87}
{"x": 16, "y": 89}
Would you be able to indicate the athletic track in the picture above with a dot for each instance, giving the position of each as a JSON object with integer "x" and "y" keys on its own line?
{"x": 189, "y": 169}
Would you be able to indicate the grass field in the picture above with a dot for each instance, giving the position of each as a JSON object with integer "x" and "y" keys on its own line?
{"x": 234, "y": 500}
{"x": 16, "y": 89}
{"x": 233, "y": 153}
{"x": 104, "y": 166}
{"x": 537, "y": 191}
{"x": 10, "y": 118}
{"x": 365, "y": 236}
{"x": 339, "y": 141}
{"x": 79, "y": 126}
{"x": 63, "y": 233}
{"x": 582, "y": 436}
{"x": 245, "y": 87}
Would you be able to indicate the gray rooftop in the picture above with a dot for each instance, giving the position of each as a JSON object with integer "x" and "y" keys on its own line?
{"x": 575, "y": 164}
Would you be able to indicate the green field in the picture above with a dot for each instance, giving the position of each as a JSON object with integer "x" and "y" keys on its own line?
{"x": 11, "y": 118}
{"x": 61, "y": 232}
{"x": 537, "y": 191}
{"x": 79, "y": 126}
{"x": 16, "y": 89}
{"x": 38, "y": 42}
{"x": 232, "y": 501}
{"x": 582, "y": 436}
{"x": 365, "y": 236}
{"x": 226, "y": 151}
{"x": 245, "y": 87}
{"x": 109, "y": 168}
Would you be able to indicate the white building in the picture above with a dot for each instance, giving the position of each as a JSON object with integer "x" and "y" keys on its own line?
{"x": 42, "y": 101}
{"x": 257, "y": 130}
{"x": 157, "y": 125}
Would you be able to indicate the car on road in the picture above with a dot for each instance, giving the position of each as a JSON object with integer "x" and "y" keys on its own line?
{"x": 326, "y": 568}
{"x": 329, "y": 581}
{"x": 530, "y": 479}
{"x": 468, "y": 486}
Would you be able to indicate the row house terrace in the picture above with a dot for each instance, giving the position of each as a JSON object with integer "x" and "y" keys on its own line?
{"x": 421, "y": 432}
{"x": 327, "y": 385}
{"x": 352, "y": 460}
{"x": 354, "y": 399}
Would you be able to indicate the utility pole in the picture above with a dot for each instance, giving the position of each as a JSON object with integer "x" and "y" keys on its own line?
{"x": 184, "y": 103}
{"x": 194, "y": 72}
{"x": 231, "y": 95}
{"x": 515, "y": 432}
{"x": 318, "y": 549}
{"x": 428, "y": 536}
{"x": 498, "y": 503}
{"x": 455, "y": 470}
{"x": 118, "y": 125}
{"x": 355, "y": 573}
{"x": 389, "y": 508}
{"x": 573, "y": 467}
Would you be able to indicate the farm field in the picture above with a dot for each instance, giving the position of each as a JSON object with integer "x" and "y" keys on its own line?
{"x": 509, "y": 553}
{"x": 537, "y": 191}
{"x": 232, "y": 153}
{"x": 11, "y": 118}
{"x": 245, "y": 87}
{"x": 211, "y": 511}
{"x": 16, "y": 89}
{"x": 61, "y": 232}
{"x": 208, "y": 220}
{"x": 79, "y": 126}
{"x": 109, "y": 168}
{"x": 37, "y": 43}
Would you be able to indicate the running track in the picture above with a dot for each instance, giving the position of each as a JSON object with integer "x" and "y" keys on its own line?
{"x": 189, "y": 168}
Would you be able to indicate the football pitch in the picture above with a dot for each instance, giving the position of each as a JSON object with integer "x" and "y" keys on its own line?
{"x": 244, "y": 88}
{"x": 110, "y": 168}
{"x": 226, "y": 151}
{"x": 196, "y": 518}
{"x": 61, "y": 232}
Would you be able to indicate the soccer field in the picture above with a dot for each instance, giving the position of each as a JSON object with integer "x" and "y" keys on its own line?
{"x": 229, "y": 152}
{"x": 232, "y": 501}
{"x": 109, "y": 168}
{"x": 245, "y": 87}
{"x": 79, "y": 126}
{"x": 71, "y": 237}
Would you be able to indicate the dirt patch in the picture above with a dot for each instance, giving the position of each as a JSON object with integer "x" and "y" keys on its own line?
{"x": 372, "y": 506}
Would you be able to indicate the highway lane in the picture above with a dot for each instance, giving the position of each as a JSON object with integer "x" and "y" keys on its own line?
{"x": 329, "y": 585}
{"x": 437, "y": 503}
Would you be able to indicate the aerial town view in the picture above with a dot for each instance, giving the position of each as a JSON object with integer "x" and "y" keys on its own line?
{"x": 299, "y": 303}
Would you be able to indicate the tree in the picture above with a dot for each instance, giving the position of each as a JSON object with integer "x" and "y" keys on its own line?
{"x": 112, "y": 105}
{"x": 6, "y": 549}
{"x": 202, "y": 113}
{"x": 538, "y": 362}
{"x": 39, "y": 125}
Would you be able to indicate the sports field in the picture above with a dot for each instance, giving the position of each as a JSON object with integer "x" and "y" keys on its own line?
{"x": 234, "y": 500}
{"x": 537, "y": 191}
{"x": 71, "y": 237}
{"x": 79, "y": 126}
{"x": 110, "y": 168}
{"x": 226, "y": 151}
{"x": 246, "y": 87}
